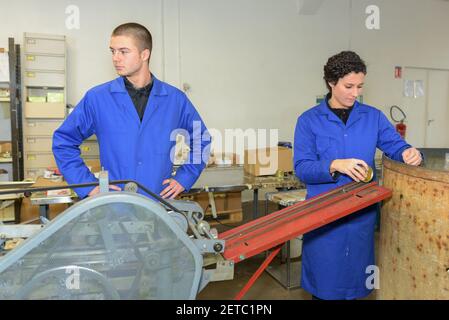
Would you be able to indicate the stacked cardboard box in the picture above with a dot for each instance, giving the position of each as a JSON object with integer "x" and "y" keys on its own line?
{"x": 228, "y": 206}
{"x": 268, "y": 161}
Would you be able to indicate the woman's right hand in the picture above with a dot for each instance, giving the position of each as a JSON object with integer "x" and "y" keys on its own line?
{"x": 355, "y": 168}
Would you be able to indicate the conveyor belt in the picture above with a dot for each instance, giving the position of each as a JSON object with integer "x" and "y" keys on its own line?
{"x": 278, "y": 227}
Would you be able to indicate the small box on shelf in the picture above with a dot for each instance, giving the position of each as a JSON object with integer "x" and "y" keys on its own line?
{"x": 37, "y": 99}
{"x": 55, "y": 97}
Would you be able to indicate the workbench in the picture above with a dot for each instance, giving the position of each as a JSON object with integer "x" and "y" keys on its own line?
{"x": 233, "y": 178}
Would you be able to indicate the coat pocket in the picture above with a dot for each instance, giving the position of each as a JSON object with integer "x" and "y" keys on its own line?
{"x": 322, "y": 144}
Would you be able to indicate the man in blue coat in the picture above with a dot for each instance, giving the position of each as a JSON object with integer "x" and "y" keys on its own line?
{"x": 136, "y": 118}
{"x": 335, "y": 142}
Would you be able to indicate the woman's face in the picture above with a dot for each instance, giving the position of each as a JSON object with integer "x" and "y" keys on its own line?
{"x": 347, "y": 89}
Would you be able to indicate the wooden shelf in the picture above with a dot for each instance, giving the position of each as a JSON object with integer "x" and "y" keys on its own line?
{"x": 4, "y": 100}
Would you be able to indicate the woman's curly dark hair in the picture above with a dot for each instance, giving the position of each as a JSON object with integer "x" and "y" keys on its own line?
{"x": 342, "y": 64}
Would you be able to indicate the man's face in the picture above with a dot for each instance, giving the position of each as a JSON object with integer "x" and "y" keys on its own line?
{"x": 348, "y": 88}
{"x": 126, "y": 56}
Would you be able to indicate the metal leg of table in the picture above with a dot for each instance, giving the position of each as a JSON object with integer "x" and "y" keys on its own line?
{"x": 43, "y": 210}
{"x": 265, "y": 213}
{"x": 287, "y": 274}
{"x": 284, "y": 272}
{"x": 255, "y": 203}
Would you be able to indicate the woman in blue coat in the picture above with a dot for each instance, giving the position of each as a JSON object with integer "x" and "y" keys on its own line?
{"x": 335, "y": 142}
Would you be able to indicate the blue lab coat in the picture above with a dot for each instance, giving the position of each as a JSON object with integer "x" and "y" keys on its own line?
{"x": 129, "y": 148}
{"x": 335, "y": 256}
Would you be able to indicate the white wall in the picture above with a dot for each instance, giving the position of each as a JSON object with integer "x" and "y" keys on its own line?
{"x": 249, "y": 63}
{"x": 88, "y": 55}
{"x": 414, "y": 33}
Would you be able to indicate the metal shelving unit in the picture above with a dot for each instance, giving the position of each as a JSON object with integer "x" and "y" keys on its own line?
{"x": 12, "y": 133}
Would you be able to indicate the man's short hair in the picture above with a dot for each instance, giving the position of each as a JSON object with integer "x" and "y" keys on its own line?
{"x": 138, "y": 32}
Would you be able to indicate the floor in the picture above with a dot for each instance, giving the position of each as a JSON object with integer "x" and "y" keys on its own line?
{"x": 266, "y": 287}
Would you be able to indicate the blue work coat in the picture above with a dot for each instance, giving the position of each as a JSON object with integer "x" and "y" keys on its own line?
{"x": 130, "y": 148}
{"x": 335, "y": 256}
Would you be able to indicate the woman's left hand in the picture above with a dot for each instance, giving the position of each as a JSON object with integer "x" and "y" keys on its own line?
{"x": 412, "y": 157}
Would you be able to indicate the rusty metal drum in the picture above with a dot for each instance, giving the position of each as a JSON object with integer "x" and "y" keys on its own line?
{"x": 414, "y": 231}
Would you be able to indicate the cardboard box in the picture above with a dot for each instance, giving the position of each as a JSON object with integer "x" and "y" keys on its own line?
{"x": 225, "y": 203}
{"x": 7, "y": 214}
{"x": 93, "y": 164}
{"x": 267, "y": 161}
{"x": 37, "y": 99}
{"x": 223, "y": 159}
{"x": 29, "y": 211}
{"x": 5, "y": 147}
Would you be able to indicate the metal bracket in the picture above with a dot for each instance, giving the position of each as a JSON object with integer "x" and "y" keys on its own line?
{"x": 213, "y": 208}
{"x": 209, "y": 245}
{"x": 224, "y": 271}
{"x": 104, "y": 182}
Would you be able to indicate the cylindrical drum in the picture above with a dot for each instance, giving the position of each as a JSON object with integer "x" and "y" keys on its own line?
{"x": 414, "y": 231}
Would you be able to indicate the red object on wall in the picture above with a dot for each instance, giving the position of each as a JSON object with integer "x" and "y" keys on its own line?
{"x": 401, "y": 128}
{"x": 397, "y": 72}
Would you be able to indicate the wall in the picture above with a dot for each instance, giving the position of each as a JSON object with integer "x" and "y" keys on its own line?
{"x": 249, "y": 64}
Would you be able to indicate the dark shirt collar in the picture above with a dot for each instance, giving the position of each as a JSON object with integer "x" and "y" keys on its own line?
{"x": 130, "y": 87}
{"x": 139, "y": 96}
{"x": 342, "y": 114}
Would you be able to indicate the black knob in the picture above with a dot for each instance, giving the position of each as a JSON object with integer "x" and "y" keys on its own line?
{"x": 218, "y": 247}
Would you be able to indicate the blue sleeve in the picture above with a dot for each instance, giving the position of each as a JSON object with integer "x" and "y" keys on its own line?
{"x": 308, "y": 167}
{"x": 389, "y": 141}
{"x": 199, "y": 143}
{"x": 78, "y": 126}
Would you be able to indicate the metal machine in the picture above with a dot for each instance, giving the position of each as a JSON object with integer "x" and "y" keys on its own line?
{"x": 123, "y": 245}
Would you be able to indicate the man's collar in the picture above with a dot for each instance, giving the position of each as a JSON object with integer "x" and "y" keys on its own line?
{"x": 130, "y": 86}
{"x": 159, "y": 89}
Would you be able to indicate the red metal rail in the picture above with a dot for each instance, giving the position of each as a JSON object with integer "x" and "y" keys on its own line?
{"x": 272, "y": 230}
{"x": 278, "y": 227}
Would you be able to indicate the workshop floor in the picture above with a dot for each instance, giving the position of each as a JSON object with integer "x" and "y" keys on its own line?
{"x": 265, "y": 288}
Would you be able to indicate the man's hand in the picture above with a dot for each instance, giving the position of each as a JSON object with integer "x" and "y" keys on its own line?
{"x": 412, "y": 157}
{"x": 355, "y": 168}
{"x": 174, "y": 188}
{"x": 97, "y": 189}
